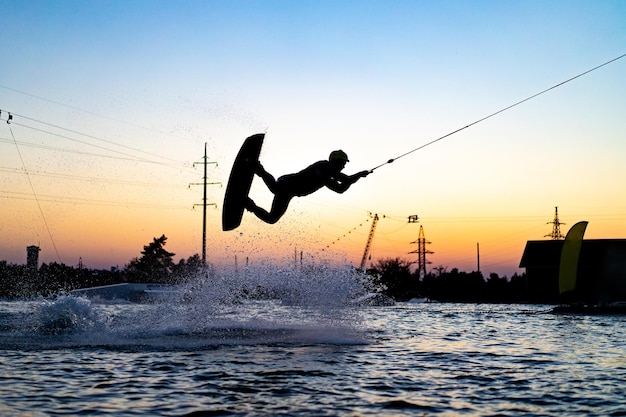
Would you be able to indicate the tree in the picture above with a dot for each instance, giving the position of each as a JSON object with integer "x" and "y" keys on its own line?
{"x": 187, "y": 270}
{"x": 456, "y": 286}
{"x": 395, "y": 275}
{"x": 155, "y": 265}
{"x": 14, "y": 281}
{"x": 497, "y": 289}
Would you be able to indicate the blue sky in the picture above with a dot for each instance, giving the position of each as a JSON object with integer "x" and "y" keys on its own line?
{"x": 375, "y": 78}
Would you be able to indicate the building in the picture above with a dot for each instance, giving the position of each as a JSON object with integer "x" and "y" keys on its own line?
{"x": 32, "y": 259}
{"x": 601, "y": 272}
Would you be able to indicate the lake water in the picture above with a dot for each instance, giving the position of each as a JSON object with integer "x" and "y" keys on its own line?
{"x": 305, "y": 351}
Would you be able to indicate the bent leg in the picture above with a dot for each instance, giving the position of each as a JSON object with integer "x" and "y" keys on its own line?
{"x": 282, "y": 197}
{"x": 279, "y": 207}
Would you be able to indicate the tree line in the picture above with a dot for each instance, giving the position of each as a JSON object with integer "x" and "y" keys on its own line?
{"x": 156, "y": 265}
{"x": 392, "y": 276}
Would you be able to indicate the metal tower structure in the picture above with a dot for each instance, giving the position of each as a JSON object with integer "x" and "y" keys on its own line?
{"x": 556, "y": 226}
{"x": 421, "y": 253}
{"x": 369, "y": 242}
{"x": 204, "y": 183}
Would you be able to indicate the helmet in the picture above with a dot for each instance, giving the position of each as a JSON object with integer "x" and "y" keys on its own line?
{"x": 338, "y": 155}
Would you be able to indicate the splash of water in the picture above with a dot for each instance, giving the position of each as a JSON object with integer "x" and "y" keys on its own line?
{"x": 264, "y": 304}
{"x": 68, "y": 314}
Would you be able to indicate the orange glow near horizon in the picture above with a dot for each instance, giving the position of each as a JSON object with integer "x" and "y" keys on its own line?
{"x": 88, "y": 234}
{"x": 324, "y": 227}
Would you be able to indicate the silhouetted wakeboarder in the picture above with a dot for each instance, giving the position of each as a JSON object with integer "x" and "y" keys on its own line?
{"x": 325, "y": 173}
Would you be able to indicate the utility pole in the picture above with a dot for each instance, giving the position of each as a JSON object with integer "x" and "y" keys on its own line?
{"x": 204, "y": 183}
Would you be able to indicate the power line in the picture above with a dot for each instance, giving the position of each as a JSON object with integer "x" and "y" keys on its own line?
{"x": 129, "y": 156}
{"x": 73, "y": 200}
{"x": 36, "y": 199}
{"x": 64, "y": 199}
{"x": 499, "y": 111}
{"x": 64, "y": 150}
{"x": 173, "y": 163}
{"x": 85, "y": 111}
{"x": 91, "y": 137}
{"x": 349, "y": 231}
{"x": 90, "y": 179}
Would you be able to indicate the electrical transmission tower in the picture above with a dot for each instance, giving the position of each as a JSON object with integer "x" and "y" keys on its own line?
{"x": 421, "y": 252}
{"x": 556, "y": 226}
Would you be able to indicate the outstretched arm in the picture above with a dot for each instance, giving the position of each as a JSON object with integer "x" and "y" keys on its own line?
{"x": 341, "y": 182}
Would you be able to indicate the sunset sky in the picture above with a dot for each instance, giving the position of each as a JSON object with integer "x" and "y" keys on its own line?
{"x": 113, "y": 101}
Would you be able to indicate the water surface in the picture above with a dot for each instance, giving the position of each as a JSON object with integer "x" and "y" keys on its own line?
{"x": 309, "y": 354}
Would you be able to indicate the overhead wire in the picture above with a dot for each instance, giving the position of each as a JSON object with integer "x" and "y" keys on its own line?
{"x": 129, "y": 157}
{"x": 91, "y": 179}
{"x": 352, "y": 209}
{"x": 64, "y": 150}
{"x": 499, "y": 111}
{"x": 89, "y": 136}
{"x": 125, "y": 157}
{"x": 349, "y": 231}
{"x": 74, "y": 200}
{"x": 357, "y": 228}
{"x": 86, "y": 111}
{"x": 32, "y": 187}
{"x": 64, "y": 199}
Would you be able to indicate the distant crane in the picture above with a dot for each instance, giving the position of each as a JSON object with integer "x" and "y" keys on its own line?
{"x": 368, "y": 245}
{"x": 556, "y": 226}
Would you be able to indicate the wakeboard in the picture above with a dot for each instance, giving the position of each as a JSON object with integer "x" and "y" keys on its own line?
{"x": 240, "y": 180}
